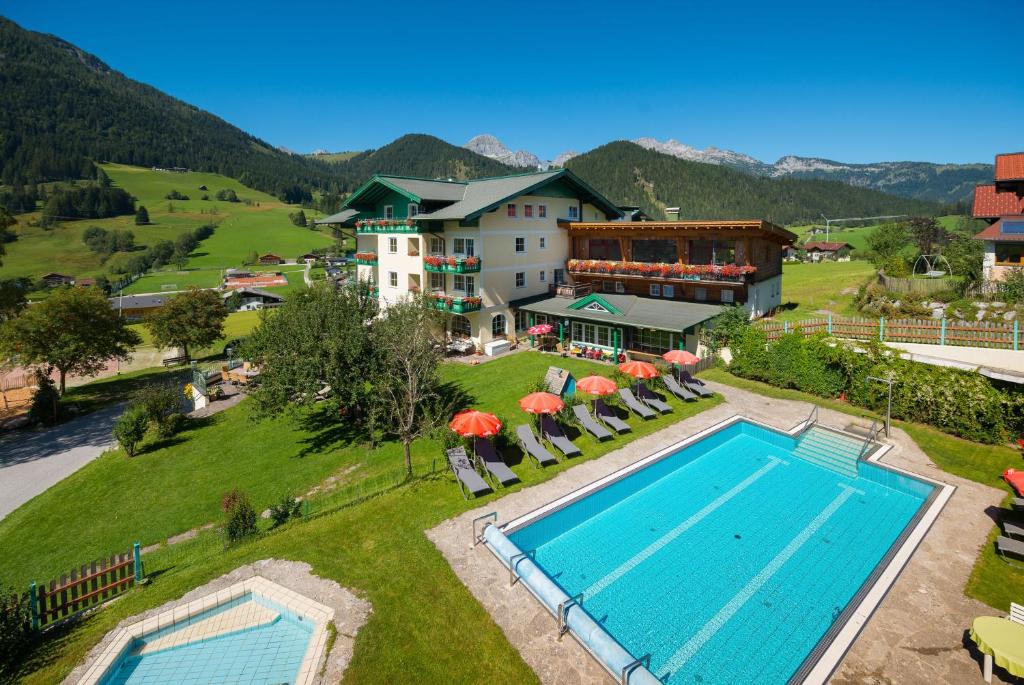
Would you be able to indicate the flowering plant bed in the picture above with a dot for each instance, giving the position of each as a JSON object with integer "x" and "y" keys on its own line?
{"x": 458, "y": 305}
{"x": 685, "y": 272}
{"x": 387, "y": 226}
{"x": 455, "y": 265}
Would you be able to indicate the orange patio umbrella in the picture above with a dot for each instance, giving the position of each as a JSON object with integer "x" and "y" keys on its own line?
{"x": 470, "y": 423}
{"x": 541, "y": 403}
{"x": 639, "y": 370}
{"x": 680, "y": 357}
{"x": 596, "y": 385}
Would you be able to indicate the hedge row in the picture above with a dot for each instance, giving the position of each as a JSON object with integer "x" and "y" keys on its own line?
{"x": 959, "y": 402}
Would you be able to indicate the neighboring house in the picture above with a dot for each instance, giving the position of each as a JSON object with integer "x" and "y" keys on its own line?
{"x": 308, "y": 258}
{"x": 52, "y": 280}
{"x": 345, "y": 218}
{"x": 821, "y": 251}
{"x": 85, "y": 282}
{"x": 254, "y": 298}
{"x": 136, "y": 307}
{"x": 503, "y": 253}
{"x": 270, "y": 258}
{"x": 1001, "y": 204}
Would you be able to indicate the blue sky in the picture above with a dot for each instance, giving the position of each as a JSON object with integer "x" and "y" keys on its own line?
{"x": 858, "y": 82}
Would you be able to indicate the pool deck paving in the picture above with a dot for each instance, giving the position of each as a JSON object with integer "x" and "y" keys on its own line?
{"x": 916, "y": 635}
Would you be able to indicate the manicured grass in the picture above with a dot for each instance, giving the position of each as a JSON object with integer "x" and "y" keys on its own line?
{"x": 161, "y": 281}
{"x": 992, "y": 581}
{"x": 237, "y": 325}
{"x": 113, "y": 389}
{"x": 813, "y": 287}
{"x": 176, "y": 485}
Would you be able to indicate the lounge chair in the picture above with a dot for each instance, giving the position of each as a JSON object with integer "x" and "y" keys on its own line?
{"x": 679, "y": 391}
{"x": 1012, "y": 530}
{"x": 651, "y": 399}
{"x": 589, "y": 424}
{"x": 554, "y": 434}
{"x": 1018, "y": 503}
{"x": 493, "y": 463}
{"x": 468, "y": 479}
{"x": 634, "y": 404}
{"x": 609, "y": 418}
{"x": 531, "y": 445}
{"x": 695, "y": 384}
{"x": 1008, "y": 547}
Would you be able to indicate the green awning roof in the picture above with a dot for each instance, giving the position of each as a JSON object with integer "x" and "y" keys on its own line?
{"x": 637, "y": 312}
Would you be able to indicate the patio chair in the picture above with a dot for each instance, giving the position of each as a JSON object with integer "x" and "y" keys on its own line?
{"x": 679, "y": 391}
{"x": 554, "y": 435}
{"x": 609, "y": 418}
{"x": 695, "y": 384}
{"x": 468, "y": 479}
{"x": 225, "y": 374}
{"x": 652, "y": 400}
{"x": 1008, "y": 547}
{"x": 492, "y": 462}
{"x": 634, "y": 404}
{"x": 589, "y": 424}
{"x": 1016, "y": 613}
{"x": 1012, "y": 530}
{"x": 531, "y": 446}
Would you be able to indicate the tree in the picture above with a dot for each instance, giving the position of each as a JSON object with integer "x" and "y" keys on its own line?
{"x": 926, "y": 233}
{"x": 12, "y": 297}
{"x": 183, "y": 247}
{"x": 74, "y": 330}
{"x": 194, "y": 318}
{"x": 406, "y": 342}
{"x": 298, "y": 218}
{"x": 6, "y": 220}
{"x": 966, "y": 257}
{"x": 141, "y": 216}
{"x": 888, "y": 241}
{"x": 130, "y": 429}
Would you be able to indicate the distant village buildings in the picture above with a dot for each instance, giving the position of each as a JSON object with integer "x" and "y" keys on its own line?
{"x": 1001, "y": 204}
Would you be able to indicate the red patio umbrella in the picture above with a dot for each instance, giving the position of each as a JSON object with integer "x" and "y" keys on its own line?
{"x": 639, "y": 370}
{"x": 596, "y": 385}
{"x": 681, "y": 357}
{"x": 470, "y": 423}
{"x": 540, "y": 329}
{"x": 541, "y": 403}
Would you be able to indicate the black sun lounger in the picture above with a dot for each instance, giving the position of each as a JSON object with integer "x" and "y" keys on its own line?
{"x": 553, "y": 433}
{"x": 589, "y": 424}
{"x": 648, "y": 397}
{"x": 1008, "y": 547}
{"x": 679, "y": 391}
{"x": 469, "y": 480}
{"x": 634, "y": 404}
{"x": 493, "y": 462}
{"x": 528, "y": 441}
{"x": 695, "y": 384}
{"x": 609, "y": 418}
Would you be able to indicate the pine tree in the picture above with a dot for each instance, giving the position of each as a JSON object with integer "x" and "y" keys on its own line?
{"x": 141, "y": 216}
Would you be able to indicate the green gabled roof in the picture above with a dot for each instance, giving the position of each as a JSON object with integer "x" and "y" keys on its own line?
{"x": 415, "y": 189}
{"x": 592, "y": 298}
{"x": 631, "y": 310}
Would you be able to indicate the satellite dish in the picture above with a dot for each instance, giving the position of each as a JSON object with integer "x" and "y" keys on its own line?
{"x": 932, "y": 266}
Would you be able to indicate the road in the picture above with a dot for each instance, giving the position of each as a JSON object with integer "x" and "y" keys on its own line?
{"x": 33, "y": 460}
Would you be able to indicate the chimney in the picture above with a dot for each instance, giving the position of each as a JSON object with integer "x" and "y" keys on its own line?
{"x": 672, "y": 213}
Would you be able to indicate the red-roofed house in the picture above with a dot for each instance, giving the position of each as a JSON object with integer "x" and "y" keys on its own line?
{"x": 1002, "y": 204}
{"x": 820, "y": 250}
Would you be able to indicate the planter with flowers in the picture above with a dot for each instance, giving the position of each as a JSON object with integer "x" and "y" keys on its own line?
{"x": 366, "y": 258}
{"x": 662, "y": 270}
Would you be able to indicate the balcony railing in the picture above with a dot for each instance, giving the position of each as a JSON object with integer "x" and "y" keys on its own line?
{"x": 730, "y": 273}
{"x": 456, "y": 305}
{"x": 366, "y": 258}
{"x": 410, "y": 225}
{"x": 451, "y": 265}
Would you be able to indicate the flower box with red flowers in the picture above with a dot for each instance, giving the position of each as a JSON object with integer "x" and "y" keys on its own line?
{"x": 662, "y": 270}
{"x": 366, "y": 258}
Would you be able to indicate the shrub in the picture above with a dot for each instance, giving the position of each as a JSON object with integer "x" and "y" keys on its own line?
{"x": 287, "y": 508}
{"x": 45, "y": 400}
{"x": 15, "y": 629}
{"x": 241, "y": 517}
{"x": 1011, "y": 288}
{"x": 176, "y": 195}
{"x": 896, "y": 266}
{"x": 130, "y": 429}
{"x": 161, "y": 405}
{"x": 725, "y": 327}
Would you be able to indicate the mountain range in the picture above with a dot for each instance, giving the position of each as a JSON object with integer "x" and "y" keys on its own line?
{"x": 920, "y": 180}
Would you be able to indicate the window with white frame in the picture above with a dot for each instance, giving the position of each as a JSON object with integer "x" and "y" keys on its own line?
{"x": 510, "y": 210}
{"x": 668, "y": 291}
{"x": 727, "y": 295}
{"x": 520, "y": 279}
{"x": 436, "y": 245}
{"x": 574, "y": 212}
{"x": 543, "y": 242}
{"x": 392, "y": 245}
{"x": 414, "y": 209}
{"x": 591, "y": 334}
{"x": 464, "y": 246}
{"x": 559, "y": 276}
{"x": 389, "y": 212}
{"x": 436, "y": 281}
{"x": 392, "y": 279}
{"x": 461, "y": 327}
{"x": 542, "y": 211}
{"x": 465, "y": 284}
{"x": 652, "y": 342}
{"x": 498, "y": 326}
{"x": 522, "y": 320}
{"x": 620, "y": 287}
{"x": 527, "y": 211}
{"x": 607, "y": 286}
{"x": 470, "y": 286}
{"x": 543, "y": 276}
{"x": 520, "y": 245}
{"x": 655, "y": 289}
{"x": 700, "y": 294}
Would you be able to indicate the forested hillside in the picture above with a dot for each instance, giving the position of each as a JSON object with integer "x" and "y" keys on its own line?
{"x": 631, "y": 175}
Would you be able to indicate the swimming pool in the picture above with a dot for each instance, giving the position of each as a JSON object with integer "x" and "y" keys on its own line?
{"x": 735, "y": 558}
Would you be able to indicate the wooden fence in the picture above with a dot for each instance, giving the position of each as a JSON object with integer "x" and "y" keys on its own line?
{"x": 85, "y": 587}
{"x": 917, "y": 286}
{"x": 927, "y": 331}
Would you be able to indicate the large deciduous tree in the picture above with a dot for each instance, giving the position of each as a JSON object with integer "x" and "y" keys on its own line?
{"x": 194, "y": 318}
{"x": 74, "y": 330}
{"x": 927, "y": 233}
{"x": 888, "y": 241}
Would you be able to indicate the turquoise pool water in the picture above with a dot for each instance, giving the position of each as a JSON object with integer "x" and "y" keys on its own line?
{"x": 265, "y": 655}
{"x": 729, "y": 560}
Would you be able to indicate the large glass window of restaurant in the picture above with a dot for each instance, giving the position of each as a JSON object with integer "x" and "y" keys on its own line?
{"x": 655, "y": 250}
{"x": 522, "y": 320}
{"x": 1010, "y": 253}
{"x": 652, "y": 342}
{"x": 605, "y": 248}
{"x": 712, "y": 252}
{"x": 591, "y": 334}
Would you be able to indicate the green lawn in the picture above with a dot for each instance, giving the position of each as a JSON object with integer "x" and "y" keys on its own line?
{"x": 237, "y": 325}
{"x": 172, "y": 279}
{"x": 807, "y": 288}
{"x": 262, "y": 226}
{"x": 992, "y": 581}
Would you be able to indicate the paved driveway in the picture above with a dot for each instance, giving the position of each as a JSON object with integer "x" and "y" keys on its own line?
{"x": 32, "y": 461}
